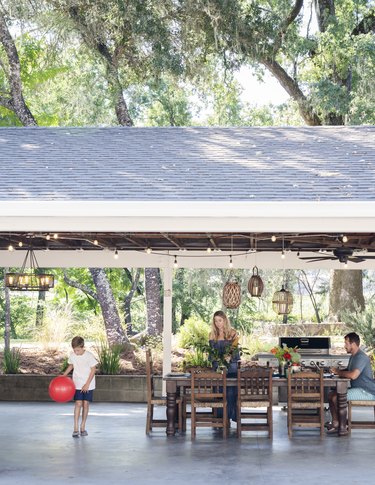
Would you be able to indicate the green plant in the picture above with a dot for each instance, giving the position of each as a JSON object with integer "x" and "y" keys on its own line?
{"x": 197, "y": 357}
{"x": 12, "y": 360}
{"x": 362, "y": 322}
{"x": 109, "y": 358}
{"x": 193, "y": 334}
{"x": 64, "y": 364}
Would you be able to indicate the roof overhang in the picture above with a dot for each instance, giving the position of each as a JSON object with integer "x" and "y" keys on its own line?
{"x": 317, "y": 216}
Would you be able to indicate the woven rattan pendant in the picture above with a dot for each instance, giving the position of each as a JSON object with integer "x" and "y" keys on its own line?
{"x": 231, "y": 294}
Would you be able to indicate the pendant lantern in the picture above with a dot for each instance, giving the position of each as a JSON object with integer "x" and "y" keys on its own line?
{"x": 231, "y": 294}
{"x": 282, "y": 302}
{"x": 255, "y": 285}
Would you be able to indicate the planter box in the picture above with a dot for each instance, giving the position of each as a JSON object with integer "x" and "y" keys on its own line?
{"x": 31, "y": 387}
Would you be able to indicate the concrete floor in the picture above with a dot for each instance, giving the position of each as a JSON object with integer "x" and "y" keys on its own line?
{"x": 37, "y": 448}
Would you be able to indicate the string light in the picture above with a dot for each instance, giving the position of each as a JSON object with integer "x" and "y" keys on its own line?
{"x": 230, "y": 262}
{"x": 344, "y": 239}
{"x": 175, "y": 264}
{"x": 148, "y": 250}
{"x": 48, "y": 237}
{"x": 209, "y": 250}
{"x": 116, "y": 254}
{"x": 20, "y": 244}
{"x": 55, "y": 236}
{"x": 95, "y": 242}
{"x": 283, "y": 254}
{"x": 10, "y": 248}
{"x": 273, "y": 238}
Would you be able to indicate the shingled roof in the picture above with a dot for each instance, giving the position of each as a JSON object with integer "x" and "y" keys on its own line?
{"x": 181, "y": 164}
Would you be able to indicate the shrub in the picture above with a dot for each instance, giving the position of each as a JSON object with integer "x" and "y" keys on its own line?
{"x": 362, "y": 322}
{"x": 194, "y": 333}
{"x": 109, "y": 358}
{"x": 12, "y": 360}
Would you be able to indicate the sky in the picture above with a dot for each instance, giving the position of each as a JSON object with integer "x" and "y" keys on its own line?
{"x": 260, "y": 93}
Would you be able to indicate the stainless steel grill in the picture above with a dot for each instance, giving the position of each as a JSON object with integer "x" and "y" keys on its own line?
{"x": 315, "y": 352}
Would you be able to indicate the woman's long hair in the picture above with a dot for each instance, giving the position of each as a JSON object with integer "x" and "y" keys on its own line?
{"x": 229, "y": 332}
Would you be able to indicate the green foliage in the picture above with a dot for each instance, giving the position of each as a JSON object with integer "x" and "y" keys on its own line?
{"x": 64, "y": 365}
{"x": 109, "y": 358}
{"x": 197, "y": 357}
{"x": 12, "y": 360}
{"x": 193, "y": 334}
{"x": 152, "y": 342}
{"x": 362, "y": 322}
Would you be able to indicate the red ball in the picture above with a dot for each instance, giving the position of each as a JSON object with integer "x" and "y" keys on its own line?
{"x": 62, "y": 389}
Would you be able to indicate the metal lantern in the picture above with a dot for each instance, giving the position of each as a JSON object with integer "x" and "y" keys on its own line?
{"x": 282, "y": 302}
{"x": 255, "y": 285}
{"x": 232, "y": 294}
{"x": 29, "y": 278}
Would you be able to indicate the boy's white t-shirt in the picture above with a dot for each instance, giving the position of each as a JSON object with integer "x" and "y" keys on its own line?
{"x": 82, "y": 365}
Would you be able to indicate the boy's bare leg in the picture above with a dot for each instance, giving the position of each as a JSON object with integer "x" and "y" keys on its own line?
{"x": 85, "y": 412}
{"x": 77, "y": 412}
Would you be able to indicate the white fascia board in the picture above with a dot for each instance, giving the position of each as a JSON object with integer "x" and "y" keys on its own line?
{"x": 151, "y": 216}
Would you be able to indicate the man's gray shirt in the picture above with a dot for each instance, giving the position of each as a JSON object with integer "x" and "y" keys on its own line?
{"x": 365, "y": 380}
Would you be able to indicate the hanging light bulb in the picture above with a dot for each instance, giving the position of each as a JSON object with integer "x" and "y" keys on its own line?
{"x": 48, "y": 237}
{"x": 55, "y": 236}
{"x": 273, "y": 238}
{"x": 230, "y": 262}
{"x": 10, "y": 248}
{"x": 116, "y": 254}
{"x": 20, "y": 244}
{"x": 95, "y": 242}
{"x": 175, "y": 264}
{"x": 283, "y": 254}
{"x": 344, "y": 239}
{"x": 148, "y": 250}
{"x": 209, "y": 250}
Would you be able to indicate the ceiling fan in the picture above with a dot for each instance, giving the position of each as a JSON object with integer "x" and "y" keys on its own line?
{"x": 342, "y": 254}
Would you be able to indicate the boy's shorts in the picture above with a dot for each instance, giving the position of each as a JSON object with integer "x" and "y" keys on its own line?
{"x": 83, "y": 396}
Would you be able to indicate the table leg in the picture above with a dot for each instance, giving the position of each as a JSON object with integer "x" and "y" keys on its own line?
{"x": 342, "y": 407}
{"x": 171, "y": 412}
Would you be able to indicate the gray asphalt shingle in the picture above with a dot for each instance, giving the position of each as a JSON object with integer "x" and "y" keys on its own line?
{"x": 180, "y": 164}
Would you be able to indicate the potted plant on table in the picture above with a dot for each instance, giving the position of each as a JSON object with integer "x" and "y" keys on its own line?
{"x": 288, "y": 357}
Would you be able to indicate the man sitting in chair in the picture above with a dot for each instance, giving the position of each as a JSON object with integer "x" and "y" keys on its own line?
{"x": 359, "y": 372}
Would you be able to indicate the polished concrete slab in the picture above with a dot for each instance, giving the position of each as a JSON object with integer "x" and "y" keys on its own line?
{"x": 37, "y": 448}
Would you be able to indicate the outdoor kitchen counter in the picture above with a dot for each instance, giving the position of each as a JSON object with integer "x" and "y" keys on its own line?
{"x": 175, "y": 382}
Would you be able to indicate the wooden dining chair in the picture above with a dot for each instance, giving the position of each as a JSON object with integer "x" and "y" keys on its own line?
{"x": 305, "y": 401}
{"x": 360, "y": 424}
{"x": 186, "y": 396}
{"x": 254, "y": 391}
{"x": 209, "y": 390}
{"x": 153, "y": 400}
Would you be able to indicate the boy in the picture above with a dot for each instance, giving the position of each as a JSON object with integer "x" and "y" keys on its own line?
{"x": 83, "y": 364}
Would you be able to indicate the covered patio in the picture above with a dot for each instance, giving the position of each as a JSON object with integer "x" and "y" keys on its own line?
{"x": 38, "y": 449}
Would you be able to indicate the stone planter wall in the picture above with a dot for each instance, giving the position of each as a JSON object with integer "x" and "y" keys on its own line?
{"x": 30, "y": 387}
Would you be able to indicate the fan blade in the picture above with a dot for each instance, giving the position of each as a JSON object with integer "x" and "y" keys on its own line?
{"x": 312, "y": 260}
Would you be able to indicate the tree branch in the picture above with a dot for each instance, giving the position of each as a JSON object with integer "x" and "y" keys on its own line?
{"x": 84, "y": 288}
{"x": 292, "y": 88}
{"x": 288, "y": 20}
{"x": 366, "y": 25}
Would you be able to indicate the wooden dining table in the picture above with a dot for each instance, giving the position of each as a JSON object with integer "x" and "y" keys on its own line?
{"x": 176, "y": 382}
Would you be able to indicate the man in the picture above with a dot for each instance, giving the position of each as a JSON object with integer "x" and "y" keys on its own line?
{"x": 359, "y": 371}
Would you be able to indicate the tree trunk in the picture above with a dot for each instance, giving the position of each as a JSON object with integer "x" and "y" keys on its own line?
{"x": 14, "y": 101}
{"x": 128, "y": 299}
{"x": 346, "y": 292}
{"x": 7, "y": 326}
{"x": 153, "y": 301}
{"x": 40, "y": 307}
{"x": 111, "y": 317}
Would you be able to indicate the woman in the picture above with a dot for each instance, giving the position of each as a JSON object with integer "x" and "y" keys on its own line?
{"x": 224, "y": 342}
